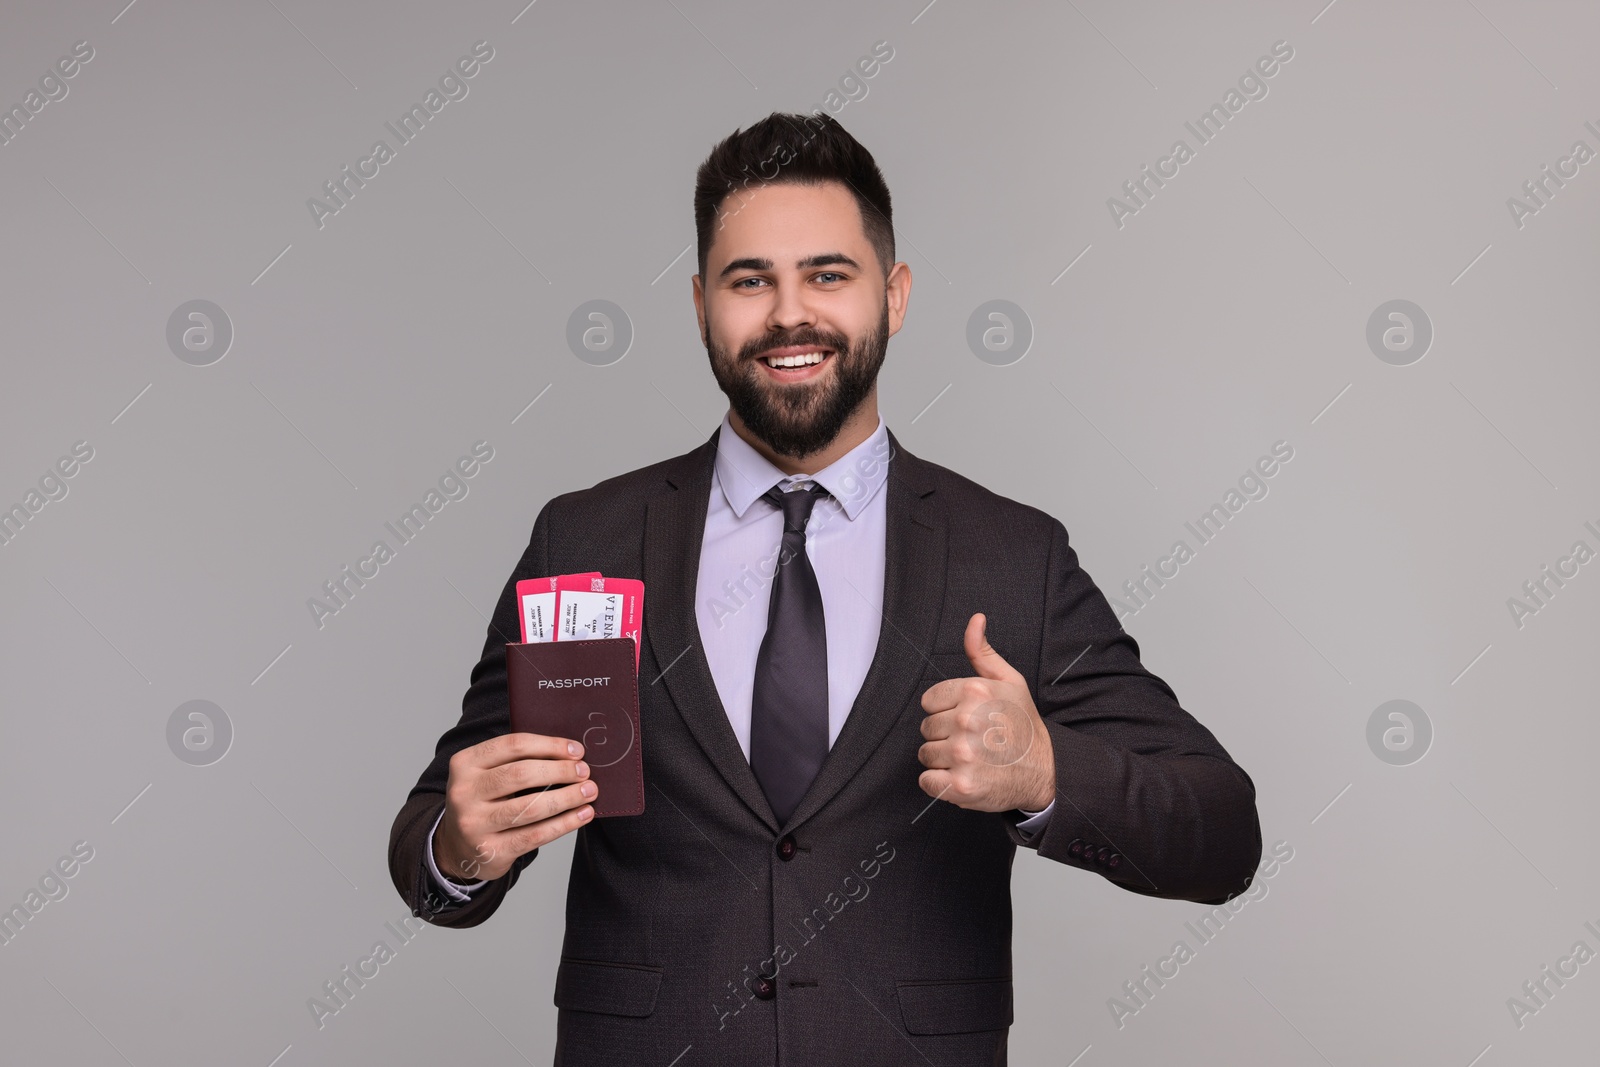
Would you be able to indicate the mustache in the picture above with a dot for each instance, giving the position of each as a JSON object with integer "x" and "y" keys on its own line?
{"x": 760, "y": 347}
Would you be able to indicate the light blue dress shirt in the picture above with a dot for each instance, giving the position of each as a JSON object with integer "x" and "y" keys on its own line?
{"x": 845, "y": 541}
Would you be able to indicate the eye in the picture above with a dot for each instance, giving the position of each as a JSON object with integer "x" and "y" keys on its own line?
{"x": 752, "y": 278}
{"x": 825, "y": 275}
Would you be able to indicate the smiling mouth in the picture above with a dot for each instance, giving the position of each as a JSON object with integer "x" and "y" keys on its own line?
{"x": 791, "y": 361}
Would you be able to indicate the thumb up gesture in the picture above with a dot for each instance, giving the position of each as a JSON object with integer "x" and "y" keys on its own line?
{"x": 987, "y": 748}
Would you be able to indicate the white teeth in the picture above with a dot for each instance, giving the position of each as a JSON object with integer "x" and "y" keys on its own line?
{"x": 794, "y": 361}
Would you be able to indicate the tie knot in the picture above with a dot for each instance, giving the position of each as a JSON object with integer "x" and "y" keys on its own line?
{"x": 796, "y": 505}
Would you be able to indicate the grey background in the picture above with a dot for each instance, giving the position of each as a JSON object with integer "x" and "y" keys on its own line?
{"x": 1228, "y": 314}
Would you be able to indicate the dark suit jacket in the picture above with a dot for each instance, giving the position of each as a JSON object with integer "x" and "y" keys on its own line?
{"x": 875, "y": 926}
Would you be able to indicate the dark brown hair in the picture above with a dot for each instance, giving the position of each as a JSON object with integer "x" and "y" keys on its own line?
{"x": 792, "y": 148}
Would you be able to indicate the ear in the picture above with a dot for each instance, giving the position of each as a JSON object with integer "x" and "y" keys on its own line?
{"x": 699, "y": 303}
{"x": 897, "y": 293}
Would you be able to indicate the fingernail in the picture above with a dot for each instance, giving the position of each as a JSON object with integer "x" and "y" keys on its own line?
{"x": 586, "y": 814}
{"x": 574, "y": 749}
{"x": 587, "y": 789}
{"x": 583, "y": 769}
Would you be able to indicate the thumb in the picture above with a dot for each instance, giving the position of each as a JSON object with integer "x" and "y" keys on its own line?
{"x": 985, "y": 660}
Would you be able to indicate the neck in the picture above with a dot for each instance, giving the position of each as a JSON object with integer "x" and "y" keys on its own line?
{"x": 856, "y": 429}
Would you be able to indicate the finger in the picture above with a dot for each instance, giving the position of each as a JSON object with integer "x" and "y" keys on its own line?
{"x": 509, "y": 779}
{"x": 539, "y": 834}
{"x": 934, "y": 783}
{"x": 537, "y": 807}
{"x": 942, "y": 696}
{"x": 985, "y": 660}
{"x": 940, "y": 725}
{"x": 937, "y": 755}
{"x": 520, "y": 745}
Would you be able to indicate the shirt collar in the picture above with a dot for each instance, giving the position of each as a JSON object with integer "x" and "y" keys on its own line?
{"x": 853, "y": 479}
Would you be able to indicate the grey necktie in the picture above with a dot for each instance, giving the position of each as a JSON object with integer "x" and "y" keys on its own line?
{"x": 789, "y": 710}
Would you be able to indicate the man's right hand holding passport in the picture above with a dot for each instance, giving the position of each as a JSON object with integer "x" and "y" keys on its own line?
{"x": 486, "y": 826}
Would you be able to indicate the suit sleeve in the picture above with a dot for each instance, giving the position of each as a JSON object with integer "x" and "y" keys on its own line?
{"x": 485, "y": 713}
{"x": 1145, "y": 795}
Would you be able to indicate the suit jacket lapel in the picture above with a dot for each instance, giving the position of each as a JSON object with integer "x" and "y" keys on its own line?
{"x": 675, "y": 523}
{"x": 913, "y": 596}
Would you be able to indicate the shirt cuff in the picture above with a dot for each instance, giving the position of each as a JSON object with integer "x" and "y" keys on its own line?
{"x": 1032, "y": 821}
{"x": 457, "y": 892}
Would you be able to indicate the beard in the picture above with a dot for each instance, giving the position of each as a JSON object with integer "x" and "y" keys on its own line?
{"x": 798, "y": 419}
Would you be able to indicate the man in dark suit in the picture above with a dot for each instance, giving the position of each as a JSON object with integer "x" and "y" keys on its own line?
{"x": 864, "y": 682}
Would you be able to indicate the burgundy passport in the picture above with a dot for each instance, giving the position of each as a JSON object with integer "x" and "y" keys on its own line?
{"x": 587, "y": 691}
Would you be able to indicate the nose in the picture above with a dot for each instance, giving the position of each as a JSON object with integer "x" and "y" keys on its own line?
{"x": 790, "y": 311}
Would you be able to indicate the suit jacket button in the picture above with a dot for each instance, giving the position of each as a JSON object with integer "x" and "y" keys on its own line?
{"x": 786, "y": 847}
{"x": 1103, "y": 855}
{"x": 765, "y": 988}
{"x": 1114, "y": 860}
{"x": 1076, "y": 848}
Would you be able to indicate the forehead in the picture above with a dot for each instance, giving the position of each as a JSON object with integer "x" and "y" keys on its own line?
{"x": 787, "y": 221}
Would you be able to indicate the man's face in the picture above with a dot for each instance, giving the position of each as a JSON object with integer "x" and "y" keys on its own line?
{"x": 790, "y": 273}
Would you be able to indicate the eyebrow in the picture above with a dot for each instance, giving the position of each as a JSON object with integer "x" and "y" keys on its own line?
{"x": 825, "y": 259}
